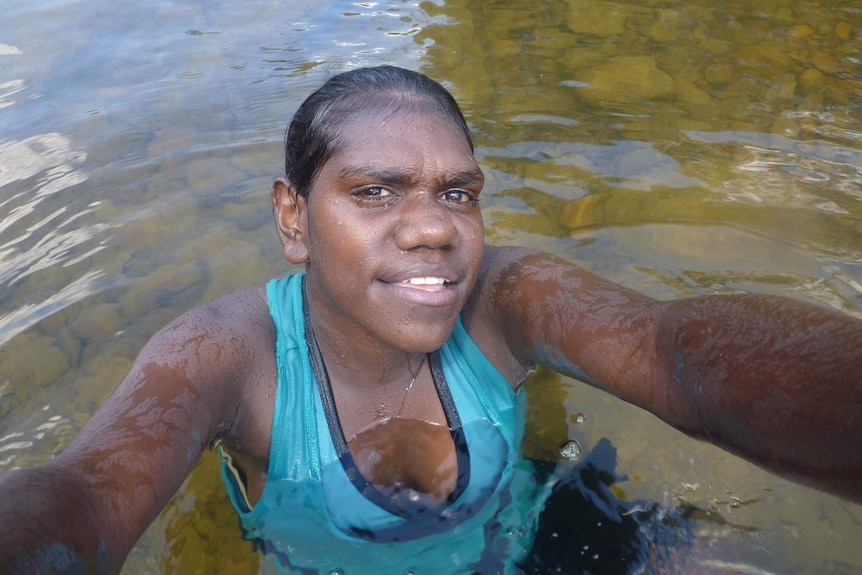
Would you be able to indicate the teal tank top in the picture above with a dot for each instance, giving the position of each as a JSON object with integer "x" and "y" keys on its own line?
{"x": 315, "y": 515}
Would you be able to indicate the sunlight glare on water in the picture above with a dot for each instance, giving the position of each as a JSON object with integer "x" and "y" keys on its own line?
{"x": 680, "y": 148}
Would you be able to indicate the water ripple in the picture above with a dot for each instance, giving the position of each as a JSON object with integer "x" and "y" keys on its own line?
{"x": 37, "y": 235}
{"x": 808, "y": 174}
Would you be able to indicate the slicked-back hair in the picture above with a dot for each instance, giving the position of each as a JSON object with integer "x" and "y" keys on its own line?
{"x": 316, "y": 129}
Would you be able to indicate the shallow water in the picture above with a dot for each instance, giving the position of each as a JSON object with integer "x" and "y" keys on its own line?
{"x": 677, "y": 147}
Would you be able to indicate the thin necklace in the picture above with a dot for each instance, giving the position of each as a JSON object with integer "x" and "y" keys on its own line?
{"x": 410, "y": 385}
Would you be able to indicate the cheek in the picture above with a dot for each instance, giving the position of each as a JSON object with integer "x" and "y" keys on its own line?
{"x": 331, "y": 239}
{"x": 474, "y": 235}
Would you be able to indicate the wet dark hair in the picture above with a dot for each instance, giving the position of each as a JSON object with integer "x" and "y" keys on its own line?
{"x": 316, "y": 129}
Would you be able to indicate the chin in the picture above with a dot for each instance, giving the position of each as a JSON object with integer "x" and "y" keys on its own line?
{"x": 424, "y": 342}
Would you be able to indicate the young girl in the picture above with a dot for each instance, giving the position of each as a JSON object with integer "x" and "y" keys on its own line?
{"x": 367, "y": 410}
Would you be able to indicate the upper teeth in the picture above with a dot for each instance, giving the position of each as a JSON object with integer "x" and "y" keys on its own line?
{"x": 425, "y": 281}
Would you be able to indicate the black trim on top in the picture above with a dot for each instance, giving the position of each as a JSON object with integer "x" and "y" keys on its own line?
{"x": 366, "y": 488}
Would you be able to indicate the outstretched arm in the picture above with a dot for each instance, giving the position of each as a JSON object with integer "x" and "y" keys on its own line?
{"x": 83, "y": 511}
{"x": 774, "y": 380}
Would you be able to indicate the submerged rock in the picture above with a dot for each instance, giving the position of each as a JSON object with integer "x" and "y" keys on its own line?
{"x": 626, "y": 79}
{"x": 598, "y": 18}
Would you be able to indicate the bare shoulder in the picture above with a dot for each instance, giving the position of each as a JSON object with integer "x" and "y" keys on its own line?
{"x": 518, "y": 282}
{"x": 498, "y": 260}
{"x": 201, "y": 362}
{"x": 483, "y": 312}
{"x": 509, "y": 278}
{"x": 529, "y": 305}
{"x": 483, "y": 315}
{"x": 495, "y": 272}
{"x": 232, "y": 340}
{"x": 243, "y": 314}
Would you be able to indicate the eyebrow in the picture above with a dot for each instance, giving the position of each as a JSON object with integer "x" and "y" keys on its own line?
{"x": 401, "y": 177}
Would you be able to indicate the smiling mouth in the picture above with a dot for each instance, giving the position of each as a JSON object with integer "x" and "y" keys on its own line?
{"x": 427, "y": 283}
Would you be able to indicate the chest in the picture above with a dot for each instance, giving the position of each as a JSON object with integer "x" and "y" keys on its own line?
{"x": 399, "y": 442}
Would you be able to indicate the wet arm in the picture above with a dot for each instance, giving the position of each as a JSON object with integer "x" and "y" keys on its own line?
{"x": 48, "y": 525}
{"x": 92, "y": 503}
{"x": 774, "y": 380}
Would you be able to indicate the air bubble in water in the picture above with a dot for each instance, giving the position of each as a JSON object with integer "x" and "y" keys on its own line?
{"x": 571, "y": 450}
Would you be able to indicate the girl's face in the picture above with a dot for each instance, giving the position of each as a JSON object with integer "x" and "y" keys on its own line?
{"x": 394, "y": 232}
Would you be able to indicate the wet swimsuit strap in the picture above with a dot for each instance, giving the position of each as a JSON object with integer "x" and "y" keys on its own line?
{"x": 365, "y": 487}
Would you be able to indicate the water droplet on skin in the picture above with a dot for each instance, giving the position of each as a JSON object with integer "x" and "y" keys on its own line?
{"x": 571, "y": 450}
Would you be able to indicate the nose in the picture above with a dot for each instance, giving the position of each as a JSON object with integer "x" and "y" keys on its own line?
{"x": 424, "y": 222}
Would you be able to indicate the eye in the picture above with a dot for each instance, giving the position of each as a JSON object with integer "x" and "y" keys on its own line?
{"x": 458, "y": 196}
{"x": 372, "y": 192}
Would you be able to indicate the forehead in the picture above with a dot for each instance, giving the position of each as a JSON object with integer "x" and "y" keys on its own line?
{"x": 410, "y": 140}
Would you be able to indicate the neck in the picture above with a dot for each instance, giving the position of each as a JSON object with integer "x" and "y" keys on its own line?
{"x": 360, "y": 364}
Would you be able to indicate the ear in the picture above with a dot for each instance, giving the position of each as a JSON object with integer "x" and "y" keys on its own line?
{"x": 290, "y": 220}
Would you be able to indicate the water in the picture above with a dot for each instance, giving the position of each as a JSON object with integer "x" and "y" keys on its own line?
{"x": 679, "y": 148}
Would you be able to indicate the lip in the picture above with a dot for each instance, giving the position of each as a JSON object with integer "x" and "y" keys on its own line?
{"x": 424, "y": 287}
{"x": 447, "y": 295}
